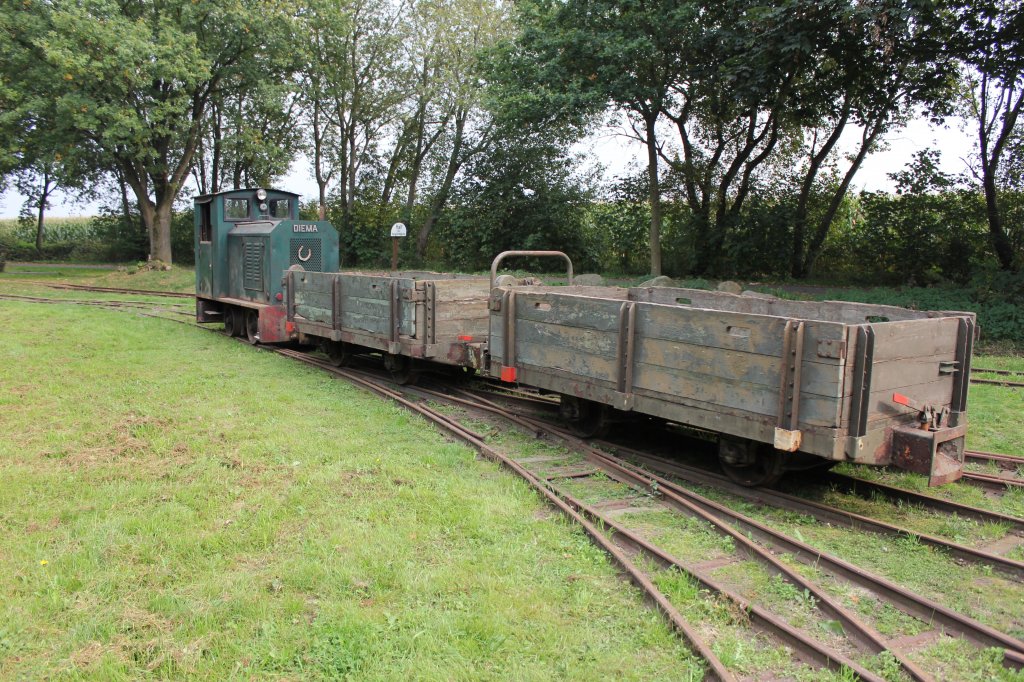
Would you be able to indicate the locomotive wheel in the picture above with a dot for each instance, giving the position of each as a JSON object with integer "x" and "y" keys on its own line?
{"x": 230, "y": 322}
{"x": 751, "y": 464}
{"x": 401, "y": 369}
{"x": 338, "y": 353}
{"x": 585, "y": 418}
{"x": 252, "y": 326}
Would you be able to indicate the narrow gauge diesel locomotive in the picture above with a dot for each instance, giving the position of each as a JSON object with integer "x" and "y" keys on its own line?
{"x": 783, "y": 384}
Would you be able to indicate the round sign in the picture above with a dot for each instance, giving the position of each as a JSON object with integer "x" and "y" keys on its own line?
{"x": 398, "y": 230}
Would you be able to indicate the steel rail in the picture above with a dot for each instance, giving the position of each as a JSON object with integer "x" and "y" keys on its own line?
{"x": 78, "y": 301}
{"x": 998, "y": 382}
{"x": 1003, "y": 372}
{"x": 807, "y": 645}
{"x": 915, "y": 604}
{"x": 644, "y": 482}
{"x": 766, "y": 621}
{"x": 848, "y": 519}
{"x": 1003, "y": 460}
{"x": 717, "y": 671}
{"x": 113, "y": 290}
{"x": 854, "y": 485}
{"x": 990, "y": 481}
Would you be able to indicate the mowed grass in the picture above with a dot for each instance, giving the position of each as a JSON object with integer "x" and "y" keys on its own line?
{"x": 181, "y": 279}
{"x": 177, "y": 505}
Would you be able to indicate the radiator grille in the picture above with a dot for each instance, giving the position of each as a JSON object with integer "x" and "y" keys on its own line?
{"x": 310, "y": 251}
{"x": 252, "y": 266}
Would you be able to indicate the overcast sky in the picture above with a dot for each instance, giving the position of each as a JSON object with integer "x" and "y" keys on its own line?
{"x": 615, "y": 153}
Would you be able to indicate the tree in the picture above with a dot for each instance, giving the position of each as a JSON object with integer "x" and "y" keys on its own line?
{"x": 466, "y": 128}
{"x": 135, "y": 81}
{"x": 578, "y": 57}
{"x": 887, "y": 61}
{"x": 39, "y": 177}
{"x": 352, "y": 89}
{"x": 250, "y": 139}
{"x": 991, "y": 45}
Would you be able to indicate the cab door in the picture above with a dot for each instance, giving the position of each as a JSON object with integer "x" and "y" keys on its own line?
{"x": 204, "y": 249}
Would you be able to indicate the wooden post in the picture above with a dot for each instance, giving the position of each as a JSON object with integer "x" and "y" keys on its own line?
{"x": 397, "y": 232}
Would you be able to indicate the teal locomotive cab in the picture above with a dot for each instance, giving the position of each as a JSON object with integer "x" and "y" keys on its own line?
{"x": 245, "y": 240}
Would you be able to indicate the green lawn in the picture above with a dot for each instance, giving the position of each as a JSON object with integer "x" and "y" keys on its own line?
{"x": 176, "y": 504}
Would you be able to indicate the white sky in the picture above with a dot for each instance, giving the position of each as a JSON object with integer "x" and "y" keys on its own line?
{"x": 615, "y": 153}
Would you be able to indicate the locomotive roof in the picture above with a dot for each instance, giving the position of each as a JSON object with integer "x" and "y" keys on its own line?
{"x": 204, "y": 198}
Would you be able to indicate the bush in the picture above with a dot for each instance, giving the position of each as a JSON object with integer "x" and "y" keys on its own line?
{"x": 996, "y": 296}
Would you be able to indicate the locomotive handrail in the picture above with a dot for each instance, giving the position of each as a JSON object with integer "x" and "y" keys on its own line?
{"x": 505, "y": 254}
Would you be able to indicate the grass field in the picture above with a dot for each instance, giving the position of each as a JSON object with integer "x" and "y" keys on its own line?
{"x": 177, "y": 505}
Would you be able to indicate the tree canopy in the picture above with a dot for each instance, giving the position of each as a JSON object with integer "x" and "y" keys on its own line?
{"x": 402, "y": 107}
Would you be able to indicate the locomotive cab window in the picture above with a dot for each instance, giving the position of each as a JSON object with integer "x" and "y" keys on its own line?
{"x": 280, "y": 208}
{"x": 205, "y": 227}
{"x": 236, "y": 209}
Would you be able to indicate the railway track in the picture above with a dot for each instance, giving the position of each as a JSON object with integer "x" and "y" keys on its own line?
{"x": 644, "y": 484}
{"x": 1012, "y": 383}
{"x": 644, "y": 561}
{"x": 1010, "y": 475}
{"x": 108, "y": 290}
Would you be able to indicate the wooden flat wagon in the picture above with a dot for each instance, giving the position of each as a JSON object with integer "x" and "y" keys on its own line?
{"x": 407, "y": 317}
{"x": 788, "y": 384}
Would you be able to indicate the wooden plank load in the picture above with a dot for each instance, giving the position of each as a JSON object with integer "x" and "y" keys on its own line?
{"x": 842, "y": 381}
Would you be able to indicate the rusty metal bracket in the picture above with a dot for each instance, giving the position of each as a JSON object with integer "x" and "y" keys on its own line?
{"x": 394, "y": 318}
{"x": 962, "y": 380}
{"x": 937, "y": 454}
{"x": 624, "y": 352}
{"x": 862, "y": 365}
{"x": 787, "y": 431}
{"x": 831, "y": 348}
{"x": 430, "y": 310}
{"x": 414, "y": 295}
{"x": 290, "y": 300}
{"x": 509, "y": 305}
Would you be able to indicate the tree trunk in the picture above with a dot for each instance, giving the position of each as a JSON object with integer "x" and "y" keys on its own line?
{"x": 44, "y": 195}
{"x": 821, "y": 232}
{"x": 441, "y": 198}
{"x": 161, "y": 249}
{"x": 1000, "y": 242}
{"x": 650, "y": 120}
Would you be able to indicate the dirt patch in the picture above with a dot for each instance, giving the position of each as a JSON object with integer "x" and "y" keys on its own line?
{"x": 88, "y": 656}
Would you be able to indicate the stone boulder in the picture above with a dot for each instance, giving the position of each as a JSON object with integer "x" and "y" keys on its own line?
{"x": 659, "y": 281}
{"x": 588, "y": 280}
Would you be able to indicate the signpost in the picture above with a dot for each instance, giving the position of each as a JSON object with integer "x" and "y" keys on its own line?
{"x": 397, "y": 232}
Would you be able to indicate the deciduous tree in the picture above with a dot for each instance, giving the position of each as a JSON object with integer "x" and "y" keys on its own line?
{"x": 136, "y": 80}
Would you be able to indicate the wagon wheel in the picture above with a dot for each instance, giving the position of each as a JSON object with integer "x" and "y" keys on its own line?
{"x": 585, "y": 418}
{"x": 252, "y": 326}
{"x": 401, "y": 369}
{"x": 760, "y": 465}
{"x": 230, "y": 322}
{"x": 338, "y": 353}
